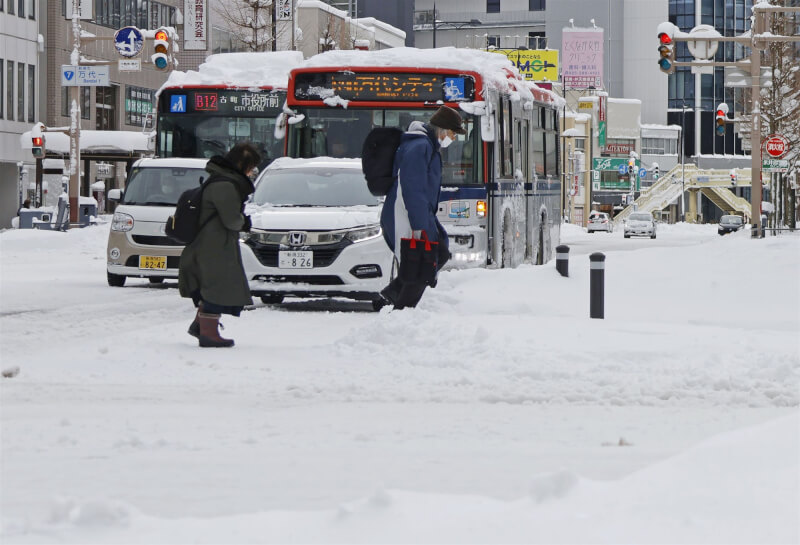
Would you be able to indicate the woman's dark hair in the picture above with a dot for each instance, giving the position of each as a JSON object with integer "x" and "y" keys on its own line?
{"x": 244, "y": 156}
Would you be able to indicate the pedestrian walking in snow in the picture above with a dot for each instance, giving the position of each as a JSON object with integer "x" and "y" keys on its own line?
{"x": 211, "y": 271}
{"x": 411, "y": 203}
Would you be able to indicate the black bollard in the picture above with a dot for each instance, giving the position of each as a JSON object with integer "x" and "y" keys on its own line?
{"x": 597, "y": 273}
{"x": 562, "y": 260}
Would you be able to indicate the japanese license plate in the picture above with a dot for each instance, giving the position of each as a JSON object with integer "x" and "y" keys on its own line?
{"x": 157, "y": 262}
{"x": 295, "y": 260}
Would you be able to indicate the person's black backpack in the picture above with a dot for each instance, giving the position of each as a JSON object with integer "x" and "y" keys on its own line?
{"x": 377, "y": 158}
{"x": 184, "y": 225}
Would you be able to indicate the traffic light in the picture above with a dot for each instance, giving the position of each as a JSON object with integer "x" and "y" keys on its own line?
{"x": 722, "y": 118}
{"x": 37, "y": 146}
{"x": 733, "y": 177}
{"x": 655, "y": 171}
{"x": 631, "y": 166}
{"x": 666, "y": 52}
{"x": 161, "y": 47}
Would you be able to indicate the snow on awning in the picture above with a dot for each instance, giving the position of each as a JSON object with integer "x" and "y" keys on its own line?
{"x": 116, "y": 142}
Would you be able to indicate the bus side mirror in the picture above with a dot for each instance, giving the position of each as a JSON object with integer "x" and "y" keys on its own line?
{"x": 487, "y": 128}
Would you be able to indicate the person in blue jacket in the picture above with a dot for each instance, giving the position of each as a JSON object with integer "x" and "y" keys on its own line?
{"x": 411, "y": 203}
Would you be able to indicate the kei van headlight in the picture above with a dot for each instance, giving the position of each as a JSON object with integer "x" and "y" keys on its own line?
{"x": 121, "y": 222}
{"x": 364, "y": 233}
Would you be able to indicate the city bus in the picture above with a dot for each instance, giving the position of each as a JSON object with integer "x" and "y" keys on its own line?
{"x": 500, "y": 196}
{"x": 233, "y": 97}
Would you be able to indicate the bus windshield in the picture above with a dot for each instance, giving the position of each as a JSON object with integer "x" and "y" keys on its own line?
{"x": 204, "y": 136}
{"x": 340, "y": 133}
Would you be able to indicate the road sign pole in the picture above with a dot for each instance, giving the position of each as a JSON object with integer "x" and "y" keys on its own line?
{"x": 75, "y": 121}
{"x": 755, "y": 131}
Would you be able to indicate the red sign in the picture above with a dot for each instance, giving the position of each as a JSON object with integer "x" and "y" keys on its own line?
{"x": 776, "y": 145}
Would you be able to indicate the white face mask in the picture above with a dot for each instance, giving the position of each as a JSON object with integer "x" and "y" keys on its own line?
{"x": 446, "y": 141}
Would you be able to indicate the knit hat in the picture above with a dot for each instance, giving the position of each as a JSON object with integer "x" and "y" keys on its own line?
{"x": 447, "y": 118}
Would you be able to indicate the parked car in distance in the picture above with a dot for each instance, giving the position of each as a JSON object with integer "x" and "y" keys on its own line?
{"x": 137, "y": 245}
{"x": 730, "y": 224}
{"x": 599, "y": 221}
{"x": 640, "y": 224}
{"x": 316, "y": 233}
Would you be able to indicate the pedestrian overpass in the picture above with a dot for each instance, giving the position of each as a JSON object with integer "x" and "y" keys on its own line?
{"x": 715, "y": 184}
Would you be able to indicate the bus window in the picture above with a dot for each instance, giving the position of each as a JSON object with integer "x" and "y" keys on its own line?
{"x": 538, "y": 152}
{"x": 550, "y": 150}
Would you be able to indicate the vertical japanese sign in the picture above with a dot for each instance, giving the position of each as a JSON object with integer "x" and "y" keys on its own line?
{"x": 601, "y": 118}
{"x": 195, "y": 25}
{"x": 582, "y": 58}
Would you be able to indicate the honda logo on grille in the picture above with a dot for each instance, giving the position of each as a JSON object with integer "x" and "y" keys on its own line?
{"x": 297, "y": 238}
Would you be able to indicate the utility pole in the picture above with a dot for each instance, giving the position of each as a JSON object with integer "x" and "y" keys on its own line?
{"x": 75, "y": 119}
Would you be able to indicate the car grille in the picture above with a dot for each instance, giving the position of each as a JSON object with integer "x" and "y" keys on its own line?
{"x": 322, "y": 280}
{"x": 267, "y": 254}
{"x": 173, "y": 261}
{"x": 147, "y": 240}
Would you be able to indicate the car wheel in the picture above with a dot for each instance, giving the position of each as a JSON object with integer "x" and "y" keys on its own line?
{"x": 115, "y": 280}
{"x": 653, "y": 235}
{"x": 156, "y": 279}
{"x": 378, "y": 304}
{"x": 272, "y": 299}
{"x": 627, "y": 235}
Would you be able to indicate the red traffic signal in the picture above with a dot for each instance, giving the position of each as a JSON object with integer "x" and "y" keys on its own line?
{"x": 721, "y": 119}
{"x": 160, "y": 57}
{"x": 37, "y": 146}
{"x": 665, "y": 38}
{"x": 666, "y": 53}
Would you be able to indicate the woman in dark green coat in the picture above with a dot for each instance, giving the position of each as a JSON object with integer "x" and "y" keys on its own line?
{"x": 211, "y": 271}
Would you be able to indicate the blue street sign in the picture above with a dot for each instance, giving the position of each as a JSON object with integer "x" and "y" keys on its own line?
{"x": 128, "y": 41}
{"x": 177, "y": 104}
{"x": 642, "y": 172}
{"x": 623, "y": 169}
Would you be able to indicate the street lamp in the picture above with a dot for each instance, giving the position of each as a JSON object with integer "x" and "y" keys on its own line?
{"x": 471, "y": 22}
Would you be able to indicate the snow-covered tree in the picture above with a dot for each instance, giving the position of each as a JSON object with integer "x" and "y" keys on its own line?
{"x": 249, "y": 20}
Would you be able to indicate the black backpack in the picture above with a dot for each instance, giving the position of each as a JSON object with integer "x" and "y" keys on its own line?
{"x": 377, "y": 158}
{"x": 183, "y": 226}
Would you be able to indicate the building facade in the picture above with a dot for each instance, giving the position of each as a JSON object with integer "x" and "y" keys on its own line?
{"x": 20, "y": 98}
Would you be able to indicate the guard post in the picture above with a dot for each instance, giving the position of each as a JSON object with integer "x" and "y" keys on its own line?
{"x": 597, "y": 272}
{"x": 562, "y": 260}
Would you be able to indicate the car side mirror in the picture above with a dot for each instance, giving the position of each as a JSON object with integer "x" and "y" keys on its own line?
{"x": 114, "y": 195}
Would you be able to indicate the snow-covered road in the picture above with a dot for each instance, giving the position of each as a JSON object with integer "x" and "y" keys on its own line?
{"x": 497, "y": 401}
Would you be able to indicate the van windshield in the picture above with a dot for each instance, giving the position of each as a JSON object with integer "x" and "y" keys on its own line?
{"x": 160, "y": 186}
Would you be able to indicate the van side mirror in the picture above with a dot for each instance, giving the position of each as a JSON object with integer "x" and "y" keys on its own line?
{"x": 114, "y": 195}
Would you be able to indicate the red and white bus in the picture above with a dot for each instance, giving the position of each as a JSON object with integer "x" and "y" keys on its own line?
{"x": 501, "y": 190}
{"x": 233, "y": 97}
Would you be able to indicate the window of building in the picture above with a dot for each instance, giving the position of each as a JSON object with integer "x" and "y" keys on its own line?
{"x": 1, "y": 6}
{"x": 536, "y": 5}
{"x": 138, "y": 103}
{"x": 11, "y": 7}
{"x": 225, "y": 41}
{"x": 537, "y": 40}
{"x": 20, "y": 91}
{"x": 2, "y": 94}
{"x": 31, "y": 9}
{"x": 85, "y": 98}
{"x": 580, "y": 144}
{"x": 492, "y": 6}
{"x": 106, "y": 108}
{"x": 31, "y": 93}
{"x": 492, "y": 41}
{"x": 10, "y": 89}
{"x": 20, "y": 7}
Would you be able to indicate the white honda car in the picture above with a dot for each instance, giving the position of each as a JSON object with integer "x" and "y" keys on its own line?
{"x": 316, "y": 232}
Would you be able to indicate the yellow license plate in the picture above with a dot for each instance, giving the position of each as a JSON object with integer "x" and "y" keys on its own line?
{"x": 153, "y": 262}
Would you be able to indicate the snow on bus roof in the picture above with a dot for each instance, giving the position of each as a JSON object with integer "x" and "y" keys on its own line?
{"x": 496, "y": 70}
{"x": 245, "y": 70}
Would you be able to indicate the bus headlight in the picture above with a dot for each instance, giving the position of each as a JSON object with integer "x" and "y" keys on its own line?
{"x": 121, "y": 222}
{"x": 480, "y": 209}
{"x": 365, "y": 233}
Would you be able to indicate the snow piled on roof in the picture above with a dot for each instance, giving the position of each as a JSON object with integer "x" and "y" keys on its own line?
{"x": 245, "y": 70}
{"x": 125, "y": 141}
{"x": 496, "y": 70}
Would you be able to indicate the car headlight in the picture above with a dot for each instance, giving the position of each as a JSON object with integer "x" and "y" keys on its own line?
{"x": 364, "y": 233}
{"x": 121, "y": 222}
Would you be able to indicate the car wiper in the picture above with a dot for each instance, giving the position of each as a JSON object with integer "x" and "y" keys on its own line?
{"x": 156, "y": 203}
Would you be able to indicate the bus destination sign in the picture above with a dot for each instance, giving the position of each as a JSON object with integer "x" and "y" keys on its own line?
{"x": 222, "y": 101}
{"x": 384, "y": 87}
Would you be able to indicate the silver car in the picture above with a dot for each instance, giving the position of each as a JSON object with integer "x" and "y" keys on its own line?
{"x": 640, "y": 224}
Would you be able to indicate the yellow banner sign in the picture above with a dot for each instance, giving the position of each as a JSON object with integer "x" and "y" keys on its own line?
{"x": 534, "y": 64}
{"x": 585, "y": 105}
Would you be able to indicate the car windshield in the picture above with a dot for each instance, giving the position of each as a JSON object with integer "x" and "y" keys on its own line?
{"x": 314, "y": 187}
{"x": 160, "y": 186}
{"x": 733, "y": 220}
{"x": 640, "y": 217}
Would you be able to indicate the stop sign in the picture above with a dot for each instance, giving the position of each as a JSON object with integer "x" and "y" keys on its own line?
{"x": 776, "y": 145}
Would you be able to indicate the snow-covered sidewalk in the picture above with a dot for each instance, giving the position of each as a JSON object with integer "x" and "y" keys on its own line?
{"x": 497, "y": 411}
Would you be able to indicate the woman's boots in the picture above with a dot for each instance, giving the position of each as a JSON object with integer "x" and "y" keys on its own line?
{"x": 194, "y": 327}
{"x": 209, "y": 331}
